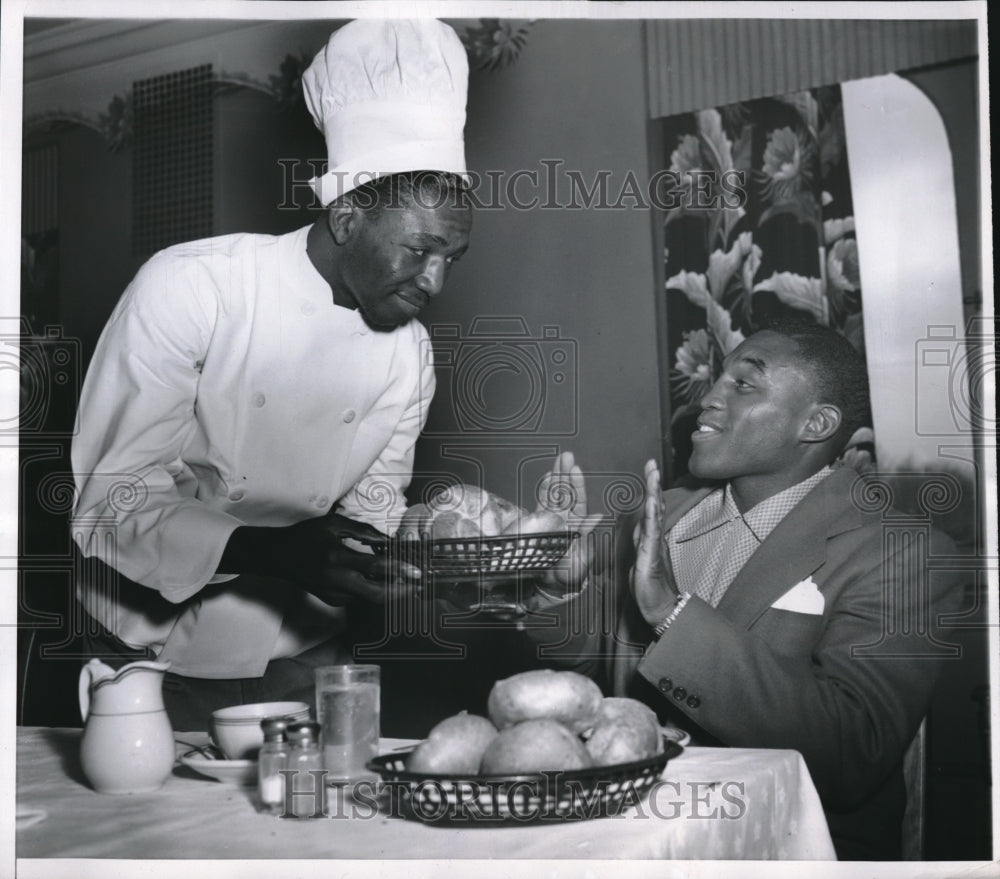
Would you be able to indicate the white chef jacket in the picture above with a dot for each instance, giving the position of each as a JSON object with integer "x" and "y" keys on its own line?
{"x": 228, "y": 389}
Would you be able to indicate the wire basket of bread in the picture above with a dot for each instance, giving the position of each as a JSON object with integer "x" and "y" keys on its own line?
{"x": 464, "y": 530}
{"x": 553, "y": 749}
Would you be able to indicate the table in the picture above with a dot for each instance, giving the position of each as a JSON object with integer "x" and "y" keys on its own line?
{"x": 712, "y": 803}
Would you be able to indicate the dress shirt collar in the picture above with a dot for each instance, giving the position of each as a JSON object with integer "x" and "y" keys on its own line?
{"x": 714, "y": 511}
{"x": 765, "y": 517}
{"x": 719, "y": 508}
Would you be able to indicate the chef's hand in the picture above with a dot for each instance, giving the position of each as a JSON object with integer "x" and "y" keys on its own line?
{"x": 648, "y": 576}
{"x": 563, "y": 491}
{"x": 312, "y": 553}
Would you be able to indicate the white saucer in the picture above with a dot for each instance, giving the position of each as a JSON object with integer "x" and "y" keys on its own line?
{"x": 243, "y": 772}
{"x": 673, "y": 734}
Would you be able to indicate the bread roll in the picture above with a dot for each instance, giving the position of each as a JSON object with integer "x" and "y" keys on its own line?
{"x": 537, "y": 523}
{"x": 534, "y": 746}
{"x": 458, "y": 512}
{"x": 563, "y": 696}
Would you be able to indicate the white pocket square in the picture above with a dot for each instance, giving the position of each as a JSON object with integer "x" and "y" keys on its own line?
{"x": 803, "y": 597}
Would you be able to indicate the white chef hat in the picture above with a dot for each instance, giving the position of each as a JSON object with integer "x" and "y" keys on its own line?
{"x": 389, "y": 96}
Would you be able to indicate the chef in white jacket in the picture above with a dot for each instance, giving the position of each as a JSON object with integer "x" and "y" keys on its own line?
{"x": 254, "y": 399}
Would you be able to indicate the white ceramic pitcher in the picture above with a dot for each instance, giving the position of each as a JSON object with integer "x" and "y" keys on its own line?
{"x": 128, "y": 745}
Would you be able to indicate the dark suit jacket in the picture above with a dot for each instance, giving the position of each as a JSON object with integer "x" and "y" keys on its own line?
{"x": 847, "y": 688}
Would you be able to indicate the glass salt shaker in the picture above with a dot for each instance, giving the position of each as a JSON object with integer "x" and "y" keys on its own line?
{"x": 306, "y": 790}
{"x": 272, "y": 758}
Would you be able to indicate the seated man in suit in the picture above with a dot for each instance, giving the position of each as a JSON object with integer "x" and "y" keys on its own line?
{"x": 760, "y": 600}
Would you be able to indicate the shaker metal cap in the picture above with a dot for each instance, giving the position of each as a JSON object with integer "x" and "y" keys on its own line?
{"x": 274, "y": 727}
{"x": 303, "y": 730}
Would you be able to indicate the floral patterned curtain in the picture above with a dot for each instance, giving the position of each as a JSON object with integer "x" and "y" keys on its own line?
{"x": 759, "y": 224}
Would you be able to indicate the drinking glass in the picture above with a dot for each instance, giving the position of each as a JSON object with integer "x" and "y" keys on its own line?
{"x": 347, "y": 707}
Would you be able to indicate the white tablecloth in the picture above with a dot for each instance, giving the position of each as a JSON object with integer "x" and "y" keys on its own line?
{"x": 711, "y": 803}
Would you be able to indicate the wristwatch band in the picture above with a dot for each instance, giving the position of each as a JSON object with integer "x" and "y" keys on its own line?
{"x": 668, "y": 620}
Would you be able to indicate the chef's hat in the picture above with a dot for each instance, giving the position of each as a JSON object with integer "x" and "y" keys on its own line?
{"x": 389, "y": 97}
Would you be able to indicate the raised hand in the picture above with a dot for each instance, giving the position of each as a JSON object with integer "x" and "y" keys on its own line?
{"x": 563, "y": 491}
{"x": 650, "y": 587}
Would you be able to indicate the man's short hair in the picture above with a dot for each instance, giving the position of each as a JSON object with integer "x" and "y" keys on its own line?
{"x": 428, "y": 189}
{"x": 838, "y": 371}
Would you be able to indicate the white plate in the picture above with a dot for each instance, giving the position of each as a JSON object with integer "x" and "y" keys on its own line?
{"x": 242, "y": 772}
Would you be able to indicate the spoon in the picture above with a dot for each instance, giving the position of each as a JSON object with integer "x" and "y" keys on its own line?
{"x": 209, "y": 751}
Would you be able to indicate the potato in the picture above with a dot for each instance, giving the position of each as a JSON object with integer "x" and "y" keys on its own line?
{"x": 455, "y": 746}
{"x": 537, "y": 523}
{"x": 625, "y": 730}
{"x": 563, "y": 696}
{"x": 534, "y": 746}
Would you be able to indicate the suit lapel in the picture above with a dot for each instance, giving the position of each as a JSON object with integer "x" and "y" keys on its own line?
{"x": 793, "y": 551}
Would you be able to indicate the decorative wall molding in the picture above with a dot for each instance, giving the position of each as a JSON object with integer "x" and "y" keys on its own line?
{"x": 494, "y": 44}
{"x": 81, "y": 71}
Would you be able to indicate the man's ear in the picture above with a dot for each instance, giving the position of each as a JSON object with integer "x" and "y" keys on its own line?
{"x": 343, "y": 221}
{"x": 823, "y": 422}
